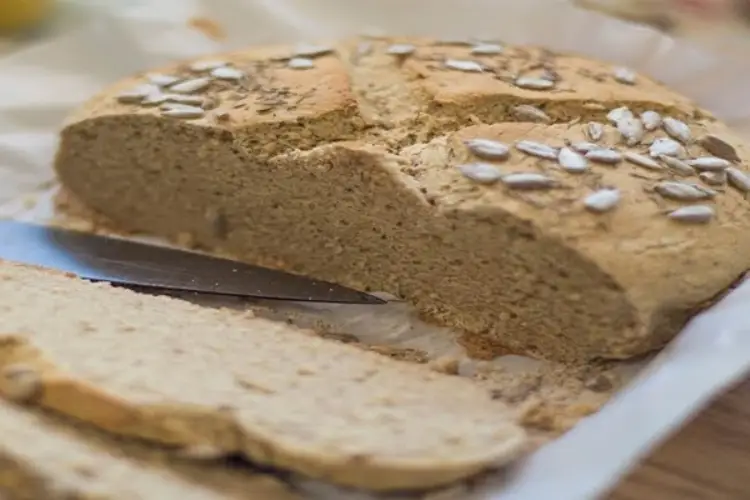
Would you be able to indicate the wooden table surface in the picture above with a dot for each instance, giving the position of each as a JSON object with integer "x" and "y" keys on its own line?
{"x": 709, "y": 459}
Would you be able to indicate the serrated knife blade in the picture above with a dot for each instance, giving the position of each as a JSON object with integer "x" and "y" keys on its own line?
{"x": 134, "y": 264}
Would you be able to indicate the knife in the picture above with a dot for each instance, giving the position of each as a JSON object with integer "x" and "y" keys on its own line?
{"x": 133, "y": 264}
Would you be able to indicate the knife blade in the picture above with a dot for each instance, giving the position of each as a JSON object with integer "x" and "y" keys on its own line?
{"x": 134, "y": 264}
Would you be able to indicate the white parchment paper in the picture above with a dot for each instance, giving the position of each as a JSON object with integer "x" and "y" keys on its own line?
{"x": 40, "y": 84}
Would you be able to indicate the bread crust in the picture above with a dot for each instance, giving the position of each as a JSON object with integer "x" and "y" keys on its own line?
{"x": 347, "y": 171}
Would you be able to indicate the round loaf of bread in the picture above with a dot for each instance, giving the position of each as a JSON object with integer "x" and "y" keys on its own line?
{"x": 539, "y": 203}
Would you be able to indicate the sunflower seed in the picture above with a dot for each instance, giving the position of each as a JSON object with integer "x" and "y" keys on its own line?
{"x": 676, "y": 129}
{"x": 694, "y": 214}
{"x": 585, "y": 147}
{"x": 483, "y": 173}
{"x": 182, "y": 111}
{"x": 183, "y": 99}
{"x": 677, "y": 166}
{"x": 651, "y": 120}
{"x": 300, "y": 63}
{"x": 190, "y": 86}
{"x": 603, "y": 200}
{"x": 713, "y": 178}
{"x": 602, "y": 155}
{"x": 486, "y": 49}
{"x": 488, "y": 149}
{"x": 530, "y": 83}
{"x": 642, "y": 161}
{"x": 227, "y": 73}
{"x": 719, "y": 148}
{"x": 461, "y": 65}
{"x": 708, "y": 163}
{"x": 137, "y": 94}
{"x": 400, "y": 49}
{"x": 527, "y": 180}
{"x": 594, "y": 131}
{"x": 666, "y": 147}
{"x": 531, "y": 113}
{"x": 162, "y": 80}
{"x": 537, "y": 149}
{"x": 307, "y": 51}
{"x": 618, "y": 114}
{"x": 738, "y": 179}
{"x": 631, "y": 129}
{"x": 155, "y": 99}
{"x": 202, "y": 66}
{"x": 624, "y": 75}
{"x": 571, "y": 161}
{"x": 683, "y": 191}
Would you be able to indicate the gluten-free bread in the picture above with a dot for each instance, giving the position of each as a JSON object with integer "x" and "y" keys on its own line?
{"x": 399, "y": 165}
{"x": 171, "y": 372}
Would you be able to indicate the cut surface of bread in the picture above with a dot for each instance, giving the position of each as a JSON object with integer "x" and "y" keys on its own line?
{"x": 358, "y": 165}
{"x": 175, "y": 373}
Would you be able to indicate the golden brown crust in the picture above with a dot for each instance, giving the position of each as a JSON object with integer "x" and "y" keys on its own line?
{"x": 347, "y": 171}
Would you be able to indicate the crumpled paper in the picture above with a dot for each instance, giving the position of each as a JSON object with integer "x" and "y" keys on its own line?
{"x": 40, "y": 84}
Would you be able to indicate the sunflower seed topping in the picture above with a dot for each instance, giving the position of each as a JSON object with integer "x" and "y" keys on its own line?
{"x": 624, "y": 75}
{"x": 190, "y": 86}
{"x": 308, "y": 51}
{"x": 155, "y": 99}
{"x": 708, "y": 163}
{"x": 642, "y": 161}
{"x": 618, "y": 114}
{"x": 401, "y": 49}
{"x": 182, "y": 111}
{"x": 488, "y": 149}
{"x": 202, "y": 66}
{"x": 631, "y": 129}
{"x": 486, "y": 49}
{"x": 677, "y": 129}
{"x": 738, "y": 179}
{"x": 530, "y": 83}
{"x": 137, "y": 94}
{"x": 462, "y": 65}
{"x": 677, "y": 166}
{"x": 483, "y": 173}
{"x": 682, "y": 191}
{"x": 719, "y": 148}
{"x": 594, "y": 131}
{"x": 227, "y": 73}
{"x": 714, "y": 178}
{"x": 181, "y": 98}
{"x": 602, "y": 201}
{"x": 526, "y": 180}
{"x": 603, "y": 155}
{"x": 162, "y": 80}
{"x": 651, "y": 120}
{"x": 694, "y": 214}
{"x": 585, "y": 147}
{"x": 531, "y": 113}
{"x": 537, "y": 149}
{"x": 300, "y": 63}
{"x": 572, "y": 161}
{"x": 666, "y": 147}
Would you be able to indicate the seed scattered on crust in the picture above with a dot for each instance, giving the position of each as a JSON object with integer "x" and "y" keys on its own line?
{"x": 483, "y": 173}
{"x": 300, "y": 63}
{"x": 631, "y": 130}
{"x": 137, "y": 94}
{"x": 201, "y": 66}
{"x": 693, "y": 214}
{"x": 182, "y": 111}
{"x": 713, "y": 178}
{"x": 677, "y": 166}
{"x": 161, "y": 80}
{"x": 190, "y": 86}
{"x": 651, "y": 120}
{"x": 711, "y": 163}
{"x": 677, "y": 129}
{"x": 602, "y": 200}
{"x": 308, "y": 51}
{"x": 400, "y": 49}
{"x": 528, "y": 180}
{"x": 530, "y": 83}
{"x": 594, "y": 131}
{"x": 682, "y": 191}
{"x": 531, "y": 113}
{"x": 488, "y": 149}
{"x": 642, "y": 161}
{"x": 618, "y": 114}
{"x": 666, "y": 147}
{"x": 738, "y": 179}
{"x": 156, "y": 98}
{"x": 20, "y": 383}
{"x": 463, "y": 65}
{"x": 719, "y": 148}
{"x": 486, "y": 49}
{"x": 606, "y": 156}
{"x": 227, "y": 73}
{"x": 571, "y": 161}
{"x": 537, "y": 149}
{"x": 624, "y": 75}
{"x": 585, "y": 147}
